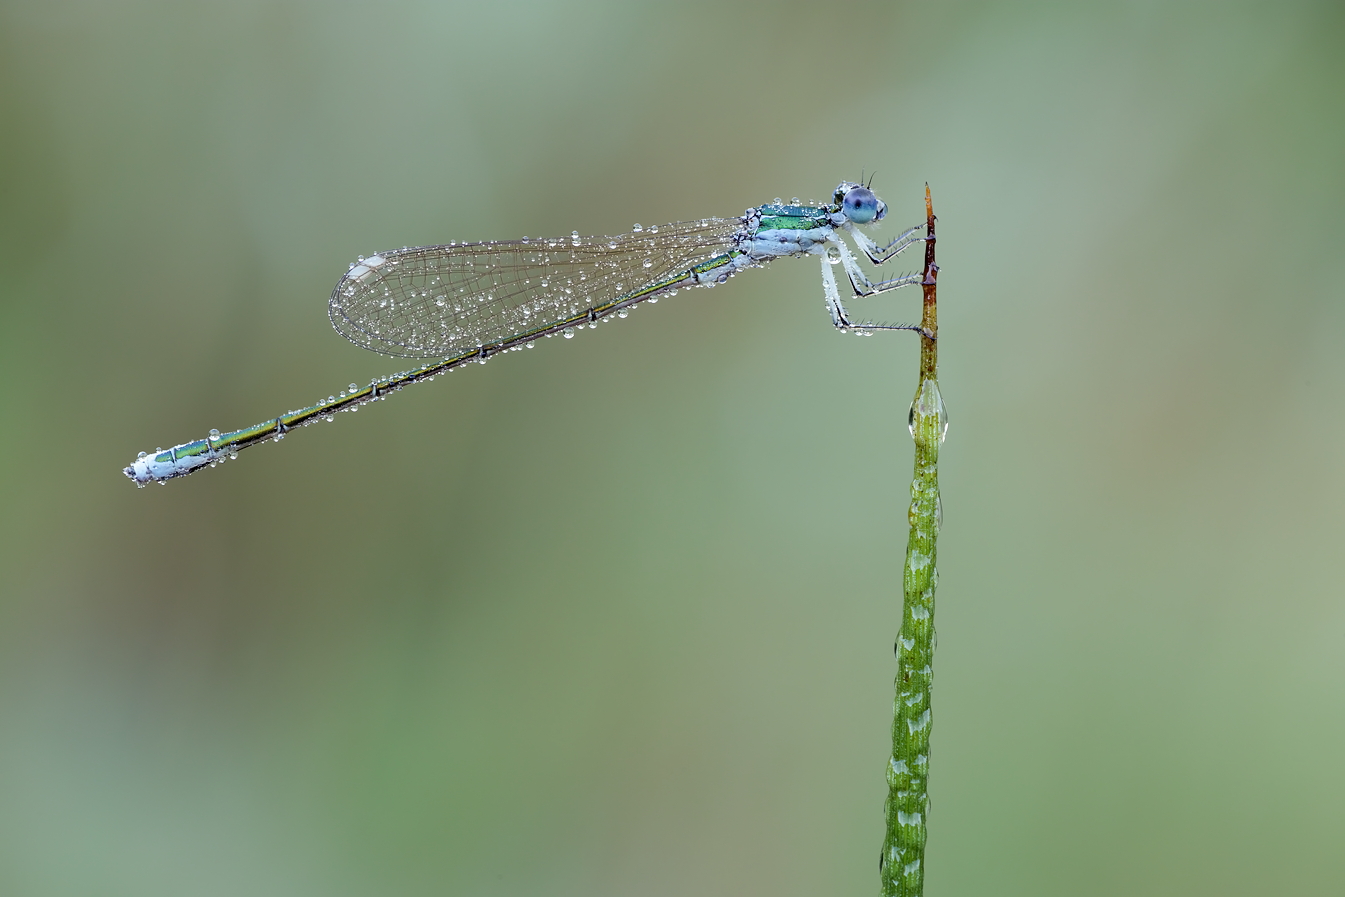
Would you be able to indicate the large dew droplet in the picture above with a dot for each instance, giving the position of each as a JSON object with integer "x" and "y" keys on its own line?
{"x": 928, "y": 401}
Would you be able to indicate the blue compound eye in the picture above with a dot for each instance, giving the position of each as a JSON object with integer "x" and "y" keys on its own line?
{"x": 861, "y": 206}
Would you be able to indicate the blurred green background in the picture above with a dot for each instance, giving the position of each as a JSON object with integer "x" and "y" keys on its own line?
{"x": 616, "y": 616}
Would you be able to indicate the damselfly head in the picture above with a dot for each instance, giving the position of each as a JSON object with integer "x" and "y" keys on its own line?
{"x": 859, "y": 203}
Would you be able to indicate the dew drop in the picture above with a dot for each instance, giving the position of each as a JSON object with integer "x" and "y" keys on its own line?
{"x": 649, "y": 263}
{"x": 214, "y": 434}
{"x": 653, "y": 229}
{"x": 928, "y": 401}
{"x": 654, "y": 299}
{"x": 529, "y": 344}
{"x": 568, "y": 333}
{"x": 637, "y": 229}
{"x": 139, "y": 455}
{"x": 354, "y": 387}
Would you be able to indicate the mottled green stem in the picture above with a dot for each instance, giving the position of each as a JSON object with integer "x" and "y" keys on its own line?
{"x": 902, "y": 866}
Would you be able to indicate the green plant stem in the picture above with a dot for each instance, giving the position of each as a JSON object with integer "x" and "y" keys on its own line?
{"x": 902, "y": 865}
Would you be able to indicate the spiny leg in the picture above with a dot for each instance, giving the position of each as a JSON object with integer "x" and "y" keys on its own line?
{"x": 860, "y": 281}
{"x": 832, "y": 296}
{"x": 878, "y": 254}
{"x": 840, "y": 318}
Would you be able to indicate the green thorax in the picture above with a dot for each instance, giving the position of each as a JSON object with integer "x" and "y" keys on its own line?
{"x": 793, "y": 218}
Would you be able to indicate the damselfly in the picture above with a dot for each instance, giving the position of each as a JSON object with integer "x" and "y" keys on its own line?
{"x": 468, "y": 302}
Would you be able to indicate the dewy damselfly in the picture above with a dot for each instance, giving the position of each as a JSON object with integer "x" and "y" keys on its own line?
{"x": 468, "y": 302}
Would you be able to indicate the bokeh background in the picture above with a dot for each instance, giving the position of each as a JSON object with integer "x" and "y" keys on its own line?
{"x": 616, "y": 615}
